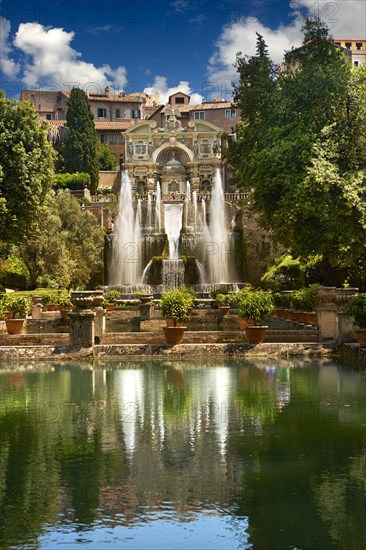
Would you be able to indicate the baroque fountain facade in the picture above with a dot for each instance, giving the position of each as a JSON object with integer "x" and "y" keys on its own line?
{"x": 173, "y": 225}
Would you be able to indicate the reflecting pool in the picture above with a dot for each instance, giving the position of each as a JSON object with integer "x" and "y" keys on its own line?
{"x": 173, "y": 455}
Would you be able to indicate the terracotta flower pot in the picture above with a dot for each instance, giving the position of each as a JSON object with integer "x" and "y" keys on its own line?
{"x": 311, "y": 318}
{"x": 8, "y": 315}
{"x": 170, "y": 323}
{"x": 256, "y": 334}
{"x": 361, "y": 336}
{"x": 14, "y": 326}
{"x": 224, "y": 310}
{"x": 244, "y": 322}
{"x": 64, "y": 313}
{"x": 173, "y": 335}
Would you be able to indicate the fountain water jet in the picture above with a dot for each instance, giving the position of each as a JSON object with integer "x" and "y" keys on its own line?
{"x": 126, "y": 248}
{"x": 149, "y": 212}
{"x": 158, "y": 208}
{"x": 218, "y": 234}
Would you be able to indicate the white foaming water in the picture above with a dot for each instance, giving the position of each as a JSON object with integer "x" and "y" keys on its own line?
{"x": 158, "y": 208}
{"x": 173, "y": 214}
{"x": 149, "y": 212}
{"x": 188, "y": 204}
{"x": 218, "y": 244}
{"x": 194, "y": 203}
{"x": 126, "y": 252}
{"x": 201, "y": 273}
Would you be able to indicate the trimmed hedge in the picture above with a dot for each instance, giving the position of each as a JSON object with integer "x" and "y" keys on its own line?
{"x": 75, "y": 182}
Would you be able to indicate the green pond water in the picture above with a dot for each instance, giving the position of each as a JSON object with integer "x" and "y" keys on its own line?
{"x": 173, "y": 455}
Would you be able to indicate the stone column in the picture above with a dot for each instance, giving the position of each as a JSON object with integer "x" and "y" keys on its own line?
{"x": 345, "y": 328}
{"x": 99, "y": 324}
{"x": 146, "y": 311}
{"x": 36, "y": 307}
{"x": 328, "y": 322}
{"x": 82, "y": 328}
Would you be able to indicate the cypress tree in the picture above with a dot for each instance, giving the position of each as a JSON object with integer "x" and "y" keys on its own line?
{"x": 80, "y": 149}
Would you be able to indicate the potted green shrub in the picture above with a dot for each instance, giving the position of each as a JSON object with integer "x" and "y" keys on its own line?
{"x": 223, "y": 303}
{"x": 191, "y": 296}
{"x": 235, "y": 300}
{"x": 19, "y": 306}
{"x": 174, "y": 306}
{"x": 256, "y": 305}
{"x": 357, "y": 308}
{"x": 110, "y": 299}
{"x": 65, "y": 305}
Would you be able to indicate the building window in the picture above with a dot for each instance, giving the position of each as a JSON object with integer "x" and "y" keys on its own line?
{"x": 348, "y": 45}
{"x": 112, "y": 139}
{"x": 355, "y": 63}
{"x": 199, "y": 115}
{"x": 179, "y": 100}
{"x": 103, "y": 138}
{"x": 231, "y": 137}
{"x": 117, "y": 113}
{"x": 230, "y": 113}
{"x": 359, "y": 46}
{"x": 121, "y": 140}
{"x": 135, "y": 113}
{"x": 338, "y": 43}
{"x": 102, "y": 113}
{"x": 48, "y": 117}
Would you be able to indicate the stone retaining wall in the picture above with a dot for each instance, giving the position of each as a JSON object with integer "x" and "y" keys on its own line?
{"x": 213, "y": 350}
{"x": 207, "y": 337}
{"x": 353, "y": 354}
{"x": 284, "y": 351}
{"x": 48, "y": 339}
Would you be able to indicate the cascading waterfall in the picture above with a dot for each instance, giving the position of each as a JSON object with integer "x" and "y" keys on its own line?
{"x": 158, "y": 208}
{"x": 126, "y": 251}
{"x": 218, "y": 244}
{"x": 173, "y": 214}
{"x": 173, "y": 269}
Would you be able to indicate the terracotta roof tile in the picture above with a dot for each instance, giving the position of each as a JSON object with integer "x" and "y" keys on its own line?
{"x": 101, "y": 125}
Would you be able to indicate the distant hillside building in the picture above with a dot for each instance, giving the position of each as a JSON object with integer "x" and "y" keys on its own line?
{"x": 114, "y": 114}
{"x": 357, "y": 49}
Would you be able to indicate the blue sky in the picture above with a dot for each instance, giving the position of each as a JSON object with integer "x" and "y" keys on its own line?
{"x": 155, "y": 46}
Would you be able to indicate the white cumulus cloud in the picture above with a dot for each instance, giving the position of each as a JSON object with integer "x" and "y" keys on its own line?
{"x": 7, "y": 65}
{"x": 160, "y": 86}
{"x": 345, "y": 19}
{"x": 50, "y": 58}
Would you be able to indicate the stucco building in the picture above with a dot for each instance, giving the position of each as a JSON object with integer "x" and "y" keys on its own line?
{"x": 356, "y": 47}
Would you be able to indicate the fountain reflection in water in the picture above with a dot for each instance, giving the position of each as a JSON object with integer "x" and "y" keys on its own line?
{"x": 126, "y": 247}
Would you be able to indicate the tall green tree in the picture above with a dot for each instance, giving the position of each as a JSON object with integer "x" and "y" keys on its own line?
{"x": 26, "y": 167}
{"x": 65, "y": 247}
{"x": 106, "y": 159}
{"x": 306, "y": 159}
{"x": 79, "y": 151}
